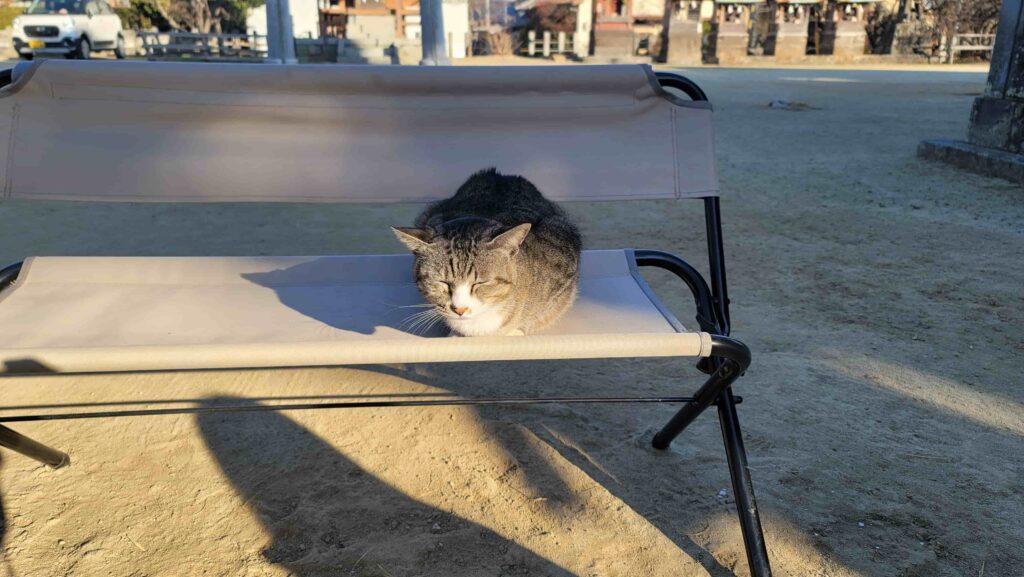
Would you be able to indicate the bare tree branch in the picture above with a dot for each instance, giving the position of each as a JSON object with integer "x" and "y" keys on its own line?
{"x": 162, "y": 10}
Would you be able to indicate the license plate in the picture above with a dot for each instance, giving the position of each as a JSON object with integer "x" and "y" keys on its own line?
{"x": 36, "y": 44}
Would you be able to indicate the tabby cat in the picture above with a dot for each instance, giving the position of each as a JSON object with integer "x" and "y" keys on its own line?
{"x": 497, "y": 258}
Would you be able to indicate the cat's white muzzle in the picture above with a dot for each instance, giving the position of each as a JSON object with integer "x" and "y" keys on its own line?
{"x": 476, "y": 323}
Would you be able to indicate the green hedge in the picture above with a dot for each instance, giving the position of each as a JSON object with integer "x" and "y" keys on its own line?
{"x": 234, "y": 19}
{"x": 7, "y": 15}
{"x": 132, "y": 19}
{"x": 140, "y": 16}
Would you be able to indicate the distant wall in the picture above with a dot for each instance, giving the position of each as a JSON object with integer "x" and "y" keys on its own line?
{"x": 648, "y": 8}
{"x": 305, "y": 19}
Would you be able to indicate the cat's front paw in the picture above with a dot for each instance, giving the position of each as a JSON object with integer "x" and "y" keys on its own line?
{"x": 516, "y": 333}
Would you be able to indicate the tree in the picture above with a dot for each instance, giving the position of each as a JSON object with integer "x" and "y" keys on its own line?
{"x": 203, "y": 16}
{"x": 191, "y": 15}
{"x": 553, "y": 17}
{"x": 975, "y": 16}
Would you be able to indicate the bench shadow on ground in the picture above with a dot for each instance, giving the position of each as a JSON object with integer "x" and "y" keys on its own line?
{"x": 275, "y": 464}
{"x": 321, "y": 510}
{"x": 319, "y": 507}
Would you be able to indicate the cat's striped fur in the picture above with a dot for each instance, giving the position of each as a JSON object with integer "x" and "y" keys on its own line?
{"x": 496, "y": 258}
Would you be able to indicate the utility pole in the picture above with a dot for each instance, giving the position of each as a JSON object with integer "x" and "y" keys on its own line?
{"x": 666, "y": 24}
{"x": 435, "y": 53}
{"x": 280, "y": 35}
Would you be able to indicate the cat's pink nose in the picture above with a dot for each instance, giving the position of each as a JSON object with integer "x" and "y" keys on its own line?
{"x": 460, "y": 310}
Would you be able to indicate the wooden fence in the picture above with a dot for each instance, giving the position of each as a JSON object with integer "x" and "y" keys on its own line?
{"x": 969, "y": 43}
{"x": 204, "y": 47}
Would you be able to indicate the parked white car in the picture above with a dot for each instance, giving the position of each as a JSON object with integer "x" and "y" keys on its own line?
{"x": 69, "y": 28}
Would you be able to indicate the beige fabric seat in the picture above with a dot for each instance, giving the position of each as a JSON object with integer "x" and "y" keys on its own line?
{"x": 160, "y": 132}
{"x": 85, "y": 314}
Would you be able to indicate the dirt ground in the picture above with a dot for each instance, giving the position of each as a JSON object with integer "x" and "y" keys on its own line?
{"x": 883, "y": 413}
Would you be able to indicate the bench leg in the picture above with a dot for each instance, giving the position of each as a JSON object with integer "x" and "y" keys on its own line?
{"x": 707, "y": 395}
{"x": 21, "y": 444}
{"x": 743, "y": 486}
{"x": 710, "y": 392}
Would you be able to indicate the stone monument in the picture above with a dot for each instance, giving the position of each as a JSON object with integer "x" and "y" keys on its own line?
{"x": 995, "y": 137}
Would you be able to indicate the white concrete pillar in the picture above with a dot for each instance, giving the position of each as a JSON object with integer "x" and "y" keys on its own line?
{"x": 584, "y": 21}
{"x": 280, "y": 38}
{"x": 432, "y": 35}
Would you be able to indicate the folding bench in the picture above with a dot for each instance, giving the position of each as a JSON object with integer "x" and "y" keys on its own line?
{"x": 170, "y": 132}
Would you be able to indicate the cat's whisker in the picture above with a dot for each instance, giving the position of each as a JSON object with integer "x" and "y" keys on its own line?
{"x": 422, "y": 329}
{"x": 423, "y": 320}
{"x": 418, "y": 314}
{"x": 412, "y": 322}
{"x": 417, "y": 319}
{"x": 414, "y": 318}
{"x": 433, "y": 323}
{"x": 438, "y": 318}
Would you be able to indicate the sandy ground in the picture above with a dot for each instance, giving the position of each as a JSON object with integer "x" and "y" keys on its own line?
{"x": 884, "y": 411}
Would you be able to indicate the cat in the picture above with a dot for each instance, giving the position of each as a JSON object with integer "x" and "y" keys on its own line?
{"x": 497, "y": 258}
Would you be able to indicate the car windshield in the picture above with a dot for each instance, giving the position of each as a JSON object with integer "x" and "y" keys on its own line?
{"x": 57, "y": 7}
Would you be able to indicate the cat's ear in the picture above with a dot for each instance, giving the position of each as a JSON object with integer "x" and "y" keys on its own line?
{"x": 416, "y": 239}
{"x": 511, "y": 238}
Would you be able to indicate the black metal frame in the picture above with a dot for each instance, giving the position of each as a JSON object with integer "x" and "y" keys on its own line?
{"x": 728, "y": 360}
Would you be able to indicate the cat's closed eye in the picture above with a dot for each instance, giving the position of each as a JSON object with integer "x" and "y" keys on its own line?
{"x": 490, "y": 284}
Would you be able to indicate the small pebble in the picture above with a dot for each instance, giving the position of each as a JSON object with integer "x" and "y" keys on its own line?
{"x": 723, "y": 493}
{"x": 860, "y": 523}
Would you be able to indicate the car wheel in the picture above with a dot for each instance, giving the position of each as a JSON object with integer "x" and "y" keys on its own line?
{"x": 119, "y": 48}
{"x": 84, "y": 49}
